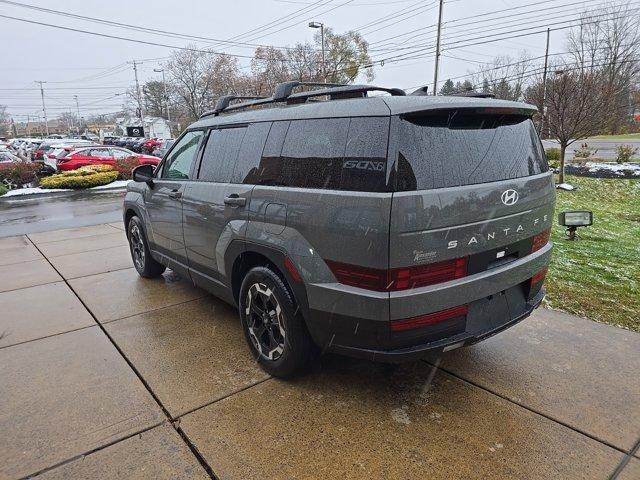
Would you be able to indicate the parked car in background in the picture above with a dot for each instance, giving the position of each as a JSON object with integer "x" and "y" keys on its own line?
{"x": 163, "y": 148}
{"x": 109, "y": 139}
{"x": 6, "y": 156}
{"x": 151, "y": 144}
{"x": 39, "y": 153}
{"x": 131, "y": 142}
{"x": 57, "y": 149}
{"x": 99, "y": 155}
{"x": 137, "y": 146}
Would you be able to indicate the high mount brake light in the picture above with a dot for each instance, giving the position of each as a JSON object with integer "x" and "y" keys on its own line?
{"x": 398, "y": 278}
{"x": 540, "y": 240}
{"x": 429, "y": 319}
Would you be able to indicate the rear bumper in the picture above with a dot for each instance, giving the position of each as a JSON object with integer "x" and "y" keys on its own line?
{"x": 438, "y": 346}
{"x": 356, "y": 322}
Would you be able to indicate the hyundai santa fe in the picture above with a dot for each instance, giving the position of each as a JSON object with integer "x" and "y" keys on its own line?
{"x": 379, "y": 226}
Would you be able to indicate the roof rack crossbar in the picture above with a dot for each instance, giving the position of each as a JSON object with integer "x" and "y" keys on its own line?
{"x": 284, "y": 91}
{"x": 224, "y": 102}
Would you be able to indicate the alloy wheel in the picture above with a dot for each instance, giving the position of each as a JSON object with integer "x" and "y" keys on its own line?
{"x": 137, "y": 246}
{"x": 265, "y": 321}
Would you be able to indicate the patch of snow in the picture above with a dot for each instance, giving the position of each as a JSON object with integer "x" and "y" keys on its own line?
{"x": 565, "y": 186}
{"x": 617, "y": 168}
{"x": 16, "y": 192}
{"x": 116, "y": 184}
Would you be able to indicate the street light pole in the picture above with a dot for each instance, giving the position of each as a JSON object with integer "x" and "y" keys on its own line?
{"x": 166, "y": 96}
{"x": 320, "y": 25}
{"x": 77, "y": 114}
{"x": 44, "y": 108}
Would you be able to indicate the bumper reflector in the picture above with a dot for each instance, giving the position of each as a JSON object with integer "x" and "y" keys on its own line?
{"x": 539, "y": 276}
{"x": 429, "y": 319}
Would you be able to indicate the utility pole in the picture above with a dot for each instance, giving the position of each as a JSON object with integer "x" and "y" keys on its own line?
{"x": 544, "y": 84}
{"x": 44, "y": 108}
{"x": 77, "y": 113}
{"x": 140, "y": 114}
{"x": 435, "y": 70}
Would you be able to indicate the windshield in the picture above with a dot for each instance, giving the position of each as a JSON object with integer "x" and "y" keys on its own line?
{"x": 453, "y": 148}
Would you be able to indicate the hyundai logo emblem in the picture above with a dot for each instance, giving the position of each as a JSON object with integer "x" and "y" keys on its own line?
{"x": 509, "y": 197}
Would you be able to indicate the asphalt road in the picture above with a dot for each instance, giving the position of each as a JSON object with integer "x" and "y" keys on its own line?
{"x": 606, "y": 149}
{"x": 21, "y": 216}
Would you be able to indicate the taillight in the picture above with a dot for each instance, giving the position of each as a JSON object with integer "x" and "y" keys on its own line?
{"x": 429, "y": 319}
{"x": 540, "y": 240}
{"x": 398, "y": 278}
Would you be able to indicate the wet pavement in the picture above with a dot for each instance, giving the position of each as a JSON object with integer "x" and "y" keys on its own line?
{"x": 108, "y": 375}
{"x": 43, "y": 213}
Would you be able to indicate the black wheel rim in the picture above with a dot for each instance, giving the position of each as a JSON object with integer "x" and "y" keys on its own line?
{"x": 137, "y": 247}
{"x": 265, "y": 321}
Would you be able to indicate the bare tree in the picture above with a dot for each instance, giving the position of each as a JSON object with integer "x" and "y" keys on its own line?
{"x": 575, "y": 102}
{"x": 154, "y": 98}
{"x": 610, "y": 43}
{"x": 4, "y": 120}
{"x": 199, "y": 77}
{"x": 504, "y": 77}
{"x": 346, "y": 55}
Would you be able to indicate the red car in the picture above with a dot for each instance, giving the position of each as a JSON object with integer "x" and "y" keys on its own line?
{"x": 70, "y": 160}
{"x": 151, "y": 144}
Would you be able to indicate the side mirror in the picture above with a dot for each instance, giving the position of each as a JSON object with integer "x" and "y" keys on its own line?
{"x": 143, "y": 173}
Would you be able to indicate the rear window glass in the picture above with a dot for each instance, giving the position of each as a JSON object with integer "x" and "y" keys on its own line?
{"x": 459, "y": 148}
{"x": 334, "y": 154}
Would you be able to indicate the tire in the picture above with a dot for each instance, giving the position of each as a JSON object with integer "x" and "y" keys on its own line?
{"x": 144, "y": 263}
{"x": 280, "y": 343}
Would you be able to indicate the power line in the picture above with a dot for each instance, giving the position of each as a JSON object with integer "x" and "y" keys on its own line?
{"x": 432, "y": 27}
{"x": 126, "y": 26}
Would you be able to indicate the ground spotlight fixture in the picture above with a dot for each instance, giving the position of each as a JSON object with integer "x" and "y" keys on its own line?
{"x": 573, "y": 219}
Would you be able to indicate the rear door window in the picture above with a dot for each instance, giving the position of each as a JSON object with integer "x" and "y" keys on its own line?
{"x": 221, "y": 154}
{"x": 453, "y": 148}
{"x": 253, "y": 143}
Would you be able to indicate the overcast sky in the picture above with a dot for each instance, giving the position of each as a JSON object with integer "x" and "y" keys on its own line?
{"x": 63, "y": 58}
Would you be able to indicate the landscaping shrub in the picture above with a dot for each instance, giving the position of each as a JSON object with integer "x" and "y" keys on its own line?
{"x": 553, "y": 156}
{"x": 124, "y": 167}
{"x": 84, "y": 177}
{"x": 625, "y": 152}
{"x": 585, "y": 151}
{"x": 17, "y": 173}
{"x": 3, "y": 190}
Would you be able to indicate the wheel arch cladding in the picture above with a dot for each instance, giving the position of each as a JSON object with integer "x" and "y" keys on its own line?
{"x": 257, "y": 255}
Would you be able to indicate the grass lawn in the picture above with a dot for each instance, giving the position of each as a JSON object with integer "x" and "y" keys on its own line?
{"x": 598, "y": 276}
{"x": 625, "y": 136}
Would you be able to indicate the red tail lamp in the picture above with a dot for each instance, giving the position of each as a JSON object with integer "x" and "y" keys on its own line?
{"x": 429, "y": 319}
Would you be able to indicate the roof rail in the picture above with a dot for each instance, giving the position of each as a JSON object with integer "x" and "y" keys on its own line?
{"x": 283, "y": 92}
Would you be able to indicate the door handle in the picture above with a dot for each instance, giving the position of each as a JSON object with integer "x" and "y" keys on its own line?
{"x": 175, "y": 194}
{"x": 235, "y": 201}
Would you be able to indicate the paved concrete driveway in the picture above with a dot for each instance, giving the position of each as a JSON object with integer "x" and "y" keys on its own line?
{"x": 107, "y": 375}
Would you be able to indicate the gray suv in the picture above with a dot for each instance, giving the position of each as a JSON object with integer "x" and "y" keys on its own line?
{"x": 381, "y": 227}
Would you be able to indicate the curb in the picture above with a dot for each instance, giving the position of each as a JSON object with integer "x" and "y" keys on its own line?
{"x": 66, "y": 193}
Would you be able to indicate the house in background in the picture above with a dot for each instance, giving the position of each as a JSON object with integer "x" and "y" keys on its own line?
{"x": 153, "y": 126}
